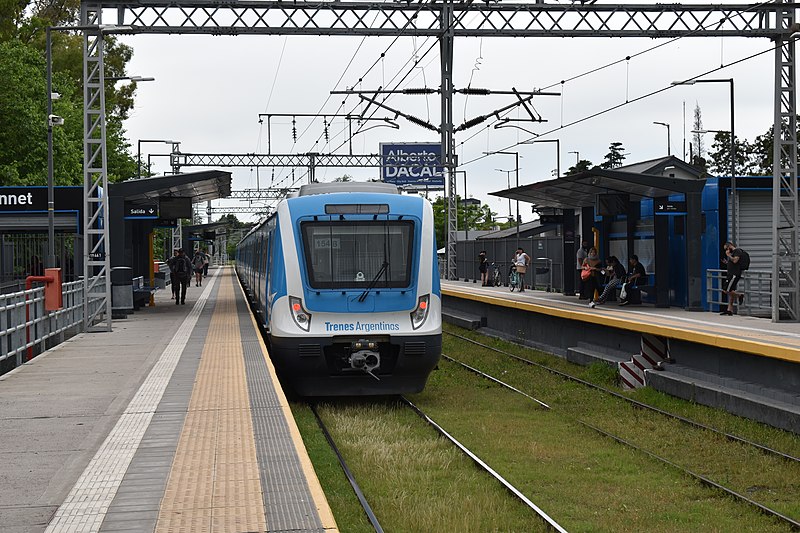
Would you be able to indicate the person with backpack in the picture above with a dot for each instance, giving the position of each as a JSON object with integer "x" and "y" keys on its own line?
{"x": 181, "y": 267}
{"x": 198, "y": 261}
{"x": 736, "y": 261}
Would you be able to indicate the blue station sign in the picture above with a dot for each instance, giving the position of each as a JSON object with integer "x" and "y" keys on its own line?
{"x": 412, "y": 165}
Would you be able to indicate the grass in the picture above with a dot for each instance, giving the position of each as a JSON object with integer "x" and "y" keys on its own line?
{"x": 416, "y": 481}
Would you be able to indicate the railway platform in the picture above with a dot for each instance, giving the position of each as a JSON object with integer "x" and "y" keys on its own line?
{"x": 174, "y": 421}
{"x": 750, "y": 366}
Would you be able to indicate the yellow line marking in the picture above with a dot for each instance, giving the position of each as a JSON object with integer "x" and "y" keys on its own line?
{"x": 727, "y": 339}
{"x": 320, "y": 501}
{"x": 214, "y": 484}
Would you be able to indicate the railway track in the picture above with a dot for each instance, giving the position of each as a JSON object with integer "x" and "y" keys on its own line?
{"x": 734, "y": 438}
{"x": 793, "y": 524}
{"x": 515, "y": 492}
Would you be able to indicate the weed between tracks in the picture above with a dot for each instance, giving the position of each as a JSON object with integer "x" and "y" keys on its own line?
{"x": 418, "y": 482}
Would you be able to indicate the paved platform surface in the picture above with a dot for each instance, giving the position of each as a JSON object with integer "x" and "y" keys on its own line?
{"x": 174, "y": 421}
{"x": 758, "y": 336}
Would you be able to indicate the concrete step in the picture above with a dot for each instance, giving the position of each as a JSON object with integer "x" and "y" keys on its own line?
{"x": 582, "y": 355}
{"x": 775, "y": 407}
{"x": 463, "y": 320}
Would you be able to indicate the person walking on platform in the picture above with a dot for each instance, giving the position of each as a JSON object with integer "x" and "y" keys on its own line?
{"x": 197, "y": 262}
{"x": 173, "y": 279}
{"x": 183, "y": 267}
{"x": 206, "y": 261}
{"x": 617, "y": 275}
{"x": 736, "y": 261}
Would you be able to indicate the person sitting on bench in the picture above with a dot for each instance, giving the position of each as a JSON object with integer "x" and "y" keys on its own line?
{"x": 636, "y": 277}
{"x": 616, "y": 273}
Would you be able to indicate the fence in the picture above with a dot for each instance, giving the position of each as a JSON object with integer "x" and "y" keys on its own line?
{"x": 756, "y": 285}
{"x": 26, "y": 329}
{"x": 546, "y": 253}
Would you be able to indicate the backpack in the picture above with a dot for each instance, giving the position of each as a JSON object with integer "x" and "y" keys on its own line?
{"x": 744, "y": 260}
{"x": 180, "y": 268}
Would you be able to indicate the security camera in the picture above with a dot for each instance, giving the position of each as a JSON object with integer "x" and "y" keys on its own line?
{"x": 55, "y": 120}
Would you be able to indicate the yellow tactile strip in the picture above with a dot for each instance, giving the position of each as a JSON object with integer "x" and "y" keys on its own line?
{"x": 214, "y": 484}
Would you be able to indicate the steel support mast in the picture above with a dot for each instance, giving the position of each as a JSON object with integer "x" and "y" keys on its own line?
{"x": 446, "y": 19}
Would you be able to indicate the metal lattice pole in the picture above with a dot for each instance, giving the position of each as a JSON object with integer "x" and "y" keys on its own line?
{"x": 96, "y": 252}
{"x": 448, "y": 144}
{"x": 784, "y": 183}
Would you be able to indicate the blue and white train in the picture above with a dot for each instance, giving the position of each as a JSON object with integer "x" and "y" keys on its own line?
{"x": 344, "y": 279}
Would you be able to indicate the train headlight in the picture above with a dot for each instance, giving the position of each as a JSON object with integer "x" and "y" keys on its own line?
{"x": 301, "y": 317}
{"x": 419, "y": 314}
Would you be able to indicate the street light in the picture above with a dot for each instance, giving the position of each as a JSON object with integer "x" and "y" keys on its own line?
{"x": 133, "y": 79}
{"x": 516, "y": 169}
{"x": 732, "y": 149}
{"x": 175, "y": 147}
{"x": 577, "y": 157}
{"x": 669, "y": 151}
{"x": 55, "y": 120}
{"x": 558, "y": 152}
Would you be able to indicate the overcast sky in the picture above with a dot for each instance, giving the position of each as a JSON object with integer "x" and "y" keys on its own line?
{"x": 209, "y": 91}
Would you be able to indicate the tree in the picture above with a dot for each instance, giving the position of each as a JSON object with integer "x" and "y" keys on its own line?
{"x": 581, "y": 166}
{"x": 614, "y": 157}
{"x": 477, "y": 218}
{"x": 720, "y": 156}
{"x": 697, "y": 158}
{"x": 344, "y": 178}
{"x": 23, "y": 96}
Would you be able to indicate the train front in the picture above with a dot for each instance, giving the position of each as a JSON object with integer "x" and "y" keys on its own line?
{"x": 362, "y": 295}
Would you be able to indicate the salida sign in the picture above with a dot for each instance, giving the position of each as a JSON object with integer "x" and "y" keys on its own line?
{"x": 416, "y": 165}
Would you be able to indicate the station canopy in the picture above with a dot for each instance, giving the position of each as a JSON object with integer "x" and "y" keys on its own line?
{"x": 648, "y": 179}
{"x": 199, "y": 186}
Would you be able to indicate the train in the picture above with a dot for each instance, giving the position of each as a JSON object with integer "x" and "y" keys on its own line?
{"x": 344, "y": 280}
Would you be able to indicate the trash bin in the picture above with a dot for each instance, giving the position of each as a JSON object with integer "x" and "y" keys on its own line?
{"x": 121, "y": 291}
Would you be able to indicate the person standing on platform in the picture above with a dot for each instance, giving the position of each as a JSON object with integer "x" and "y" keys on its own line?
{"x": 521, "y": 262}
{"x": 580, "y": 257}
{"x": 592, "y": 281}
{"x": 736, "y": 261}
{"x": 483, "y": 268}
{"x": 183, "y": 269}
{"x": 173, "y": 278}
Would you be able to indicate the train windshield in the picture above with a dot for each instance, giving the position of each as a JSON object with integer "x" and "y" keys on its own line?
{"x": 358, "y": 254}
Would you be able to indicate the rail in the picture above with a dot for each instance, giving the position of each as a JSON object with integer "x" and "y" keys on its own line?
{"x": 22, "y": 337}
{"x": 755, "y": 285}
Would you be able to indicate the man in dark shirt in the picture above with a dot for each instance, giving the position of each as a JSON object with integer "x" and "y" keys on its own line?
{"x": 733, "y": 274}
{"x": 636, "y": 277}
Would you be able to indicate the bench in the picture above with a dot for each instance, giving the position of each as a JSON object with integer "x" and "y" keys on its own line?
{"x": 141, "y": 293}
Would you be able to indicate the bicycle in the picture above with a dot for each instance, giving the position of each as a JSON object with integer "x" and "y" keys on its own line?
{"x": 497, "y": 278}
{"x": 514, "y": 280}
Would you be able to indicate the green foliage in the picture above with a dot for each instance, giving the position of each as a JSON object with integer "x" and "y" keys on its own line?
{"x": 23, "y": 96}
{"x": 614, "y": 157}
{"x": 471, "y": 217}
{"x": 581, "y": 166}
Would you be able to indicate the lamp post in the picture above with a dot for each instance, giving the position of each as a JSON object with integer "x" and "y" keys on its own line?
{"x": 729, "y": 81}
{"x": 558, "y": 152}
{"x": 577, "y": 156}
{"x": 139, "y": 151}
{"x": 669, "y": 149}
{"x": 516, "y": 170}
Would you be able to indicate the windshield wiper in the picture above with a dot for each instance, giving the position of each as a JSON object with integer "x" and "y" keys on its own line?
{"x": 374, "y": 281}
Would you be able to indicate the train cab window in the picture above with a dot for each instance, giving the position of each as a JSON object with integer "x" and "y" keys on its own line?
{"x": 351, "y": 254}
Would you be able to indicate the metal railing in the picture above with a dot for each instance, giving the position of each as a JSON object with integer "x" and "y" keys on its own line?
{"x": 26, "y": 329}
{"x": 755, "y": 285}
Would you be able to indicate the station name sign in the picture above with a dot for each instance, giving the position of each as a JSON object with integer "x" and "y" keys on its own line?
{"x": 33, "y": 199}
{"x": 412, "y": 165}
